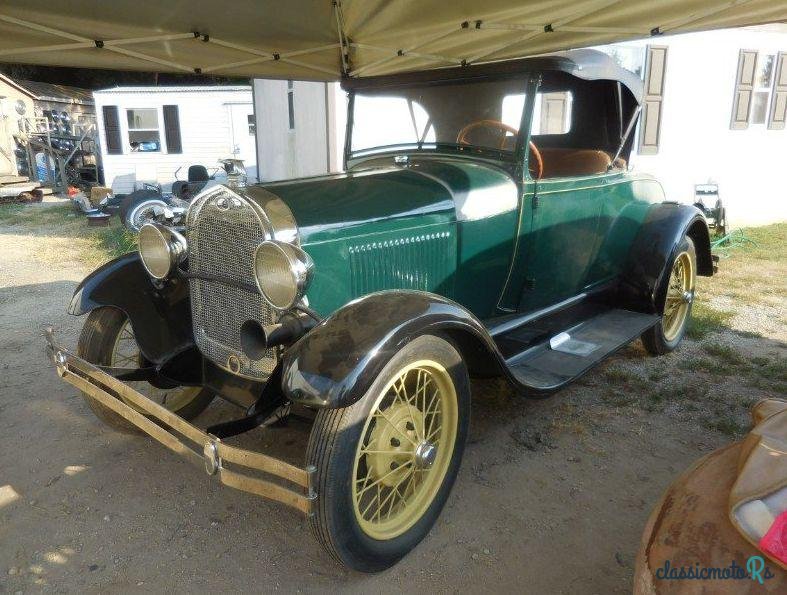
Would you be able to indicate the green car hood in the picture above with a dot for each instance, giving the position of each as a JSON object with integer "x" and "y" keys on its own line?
{"x": 342, "y": 205}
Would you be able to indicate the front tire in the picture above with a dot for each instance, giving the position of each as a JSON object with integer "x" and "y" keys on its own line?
{"x": 386, "y": 464}
{"x": 680, "y": 282}
{"x": 107, "y": 339}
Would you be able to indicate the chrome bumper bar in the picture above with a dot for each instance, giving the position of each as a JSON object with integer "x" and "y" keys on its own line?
{"x": 185, "y": 439}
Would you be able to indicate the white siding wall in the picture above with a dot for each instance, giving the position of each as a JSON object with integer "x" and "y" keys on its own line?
{"x": 696, "y": 142}
{"x": 204, "y": 128}
{"x": 312, "y": 148}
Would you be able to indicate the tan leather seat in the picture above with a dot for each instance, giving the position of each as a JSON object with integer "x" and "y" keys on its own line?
{"x": 561, "y": 163}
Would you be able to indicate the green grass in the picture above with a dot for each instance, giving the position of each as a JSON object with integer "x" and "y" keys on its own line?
{"x": 751, "y": 273}
{"x": 706, "y": 319}
{"x": 725, "y": 353}
{"x": 34, "y": 214}
{"x": 62, "y": 234}
{"x": 619, "y": 376}
{"x": 727, "y": 425}
{"x": 696, "y": 364}
{"x": 769, "y": 243}
{"x": 116, "y": 240}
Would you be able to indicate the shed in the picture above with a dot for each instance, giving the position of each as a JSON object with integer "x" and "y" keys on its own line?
{"x": 147, "y": 134}
{"x": 30, "y": 109}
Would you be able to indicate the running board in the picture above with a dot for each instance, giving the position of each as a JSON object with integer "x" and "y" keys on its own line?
{"x": 566, "y": 355}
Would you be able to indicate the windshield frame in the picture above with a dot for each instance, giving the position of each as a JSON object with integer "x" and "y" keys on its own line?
{"x": 515, "y": 156}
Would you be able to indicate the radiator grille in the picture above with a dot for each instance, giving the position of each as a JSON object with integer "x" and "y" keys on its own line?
{"x": 223, "y": 232}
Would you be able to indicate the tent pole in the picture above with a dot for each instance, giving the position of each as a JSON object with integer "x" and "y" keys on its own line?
{"x": 140, "y": 56}
{"x": 403, "y": 52}
{"x": 551, "y": 27}
{"x": 268, "y": 57}
{"x": 344, "y": 50}
{"x": 433, "y": 57}
{"x": 42, "y": 28}
{"x": 669, "y": 26}
{"x": 133, "y": 40}
{"x": 567, "y": 29}
{"x": 48, "y": 48}
{"x": 78, "y": 38}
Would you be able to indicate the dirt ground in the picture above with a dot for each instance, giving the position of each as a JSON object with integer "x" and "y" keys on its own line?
{"x": 551, "y": 498}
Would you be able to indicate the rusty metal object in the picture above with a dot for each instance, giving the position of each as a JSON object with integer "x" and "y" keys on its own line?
{"x": 185, "y": 439}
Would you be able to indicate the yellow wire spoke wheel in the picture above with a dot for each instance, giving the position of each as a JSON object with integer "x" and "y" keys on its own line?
{"x": 405, "y": 449}
{"x": 680, "y": 293}
{"x": 386, "y": 462}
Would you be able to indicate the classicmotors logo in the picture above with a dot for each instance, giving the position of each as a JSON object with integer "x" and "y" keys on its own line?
{"x": 755, "y": 570}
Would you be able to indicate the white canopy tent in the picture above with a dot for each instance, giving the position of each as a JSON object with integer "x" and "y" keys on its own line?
{"x": 326, "y": 40}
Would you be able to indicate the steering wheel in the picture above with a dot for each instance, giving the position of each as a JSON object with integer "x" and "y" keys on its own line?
{"x": 536, "y": 166}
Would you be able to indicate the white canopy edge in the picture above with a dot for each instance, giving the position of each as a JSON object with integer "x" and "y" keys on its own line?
{"x": 328, "y": 40}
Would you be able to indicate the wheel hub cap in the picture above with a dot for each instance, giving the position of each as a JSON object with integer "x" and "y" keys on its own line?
{"x": 425, "y": 455}
{"x": 392, "y": 444}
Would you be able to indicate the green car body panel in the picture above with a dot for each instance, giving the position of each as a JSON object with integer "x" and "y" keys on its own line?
{"x": 397, "y": 229}
{"x": 402, "y": 228}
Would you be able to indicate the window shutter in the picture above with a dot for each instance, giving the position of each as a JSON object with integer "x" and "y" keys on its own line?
{"x": 172, "y": 129}
{"x": 778, "y": 112}
{"x": 652, "y": 102}
{"x": 112, "y": 130}
{"x": 553, "y": 113}
{"x": 744, "y": 86}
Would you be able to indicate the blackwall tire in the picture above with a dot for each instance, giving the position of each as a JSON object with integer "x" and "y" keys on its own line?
{"x": 371, "y": 441}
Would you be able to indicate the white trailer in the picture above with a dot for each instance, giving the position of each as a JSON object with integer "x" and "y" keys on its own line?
{"x": 148, "y": 133}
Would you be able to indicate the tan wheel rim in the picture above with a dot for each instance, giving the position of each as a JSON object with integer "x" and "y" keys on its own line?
{"x": 405, "y": 450}
{"x": 680, "y": 294}
{"x": 126, "y": 354}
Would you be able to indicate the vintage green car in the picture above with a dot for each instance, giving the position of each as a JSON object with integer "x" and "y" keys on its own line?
{"x": 487, "y": 224}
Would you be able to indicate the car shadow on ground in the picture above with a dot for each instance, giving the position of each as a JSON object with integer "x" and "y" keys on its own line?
{"x": 87, "y": 508}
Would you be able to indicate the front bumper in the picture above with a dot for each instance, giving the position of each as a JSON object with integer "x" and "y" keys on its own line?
{"x": 185, "y": 439}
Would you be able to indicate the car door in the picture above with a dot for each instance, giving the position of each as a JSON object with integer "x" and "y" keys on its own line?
{"x": 563, "y": 239}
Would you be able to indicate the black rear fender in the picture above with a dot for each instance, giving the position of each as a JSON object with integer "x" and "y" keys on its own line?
{"x": 159, "y": 315}
{"x": 655, "y": 246}
{"x": 336, "y": 362}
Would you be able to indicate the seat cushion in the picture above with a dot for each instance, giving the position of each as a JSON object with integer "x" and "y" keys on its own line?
{"x": 561, "y": 162}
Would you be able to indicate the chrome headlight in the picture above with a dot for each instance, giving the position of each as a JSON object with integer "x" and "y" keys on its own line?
{"x": 161, "y": 249}
{"x": 283, "y": 272}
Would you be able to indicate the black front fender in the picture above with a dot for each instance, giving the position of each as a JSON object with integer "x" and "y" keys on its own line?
{"x": 160, "y": 316}
{"x": 642, "y": 287}
{"x": 336, "y": 362}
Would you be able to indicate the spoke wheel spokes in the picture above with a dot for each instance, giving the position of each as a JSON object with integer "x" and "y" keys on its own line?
{"x": 405, "y": 449}
{"x": 680, "y": 292}
{"x": 126, "y": 354}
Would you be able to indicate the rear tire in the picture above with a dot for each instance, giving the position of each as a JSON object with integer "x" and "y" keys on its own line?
{"x": 680, "y": 280}
{"x": 97, "y": 343}
{"x": 410, "y": 472}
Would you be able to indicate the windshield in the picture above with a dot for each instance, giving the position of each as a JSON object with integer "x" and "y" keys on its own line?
{"x": 484, "y": 114}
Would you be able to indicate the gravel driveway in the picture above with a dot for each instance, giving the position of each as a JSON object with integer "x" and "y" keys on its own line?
{"x": 551, "y": 498}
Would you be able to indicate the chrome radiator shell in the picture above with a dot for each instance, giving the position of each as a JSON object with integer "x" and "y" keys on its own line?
{"x": 223, "y": 230}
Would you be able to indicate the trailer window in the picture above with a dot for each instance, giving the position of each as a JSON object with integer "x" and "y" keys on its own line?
{"x": 143, "y": 130}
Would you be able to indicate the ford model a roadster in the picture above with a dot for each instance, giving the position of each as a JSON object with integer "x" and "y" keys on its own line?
{"x": 487, "y": 224}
